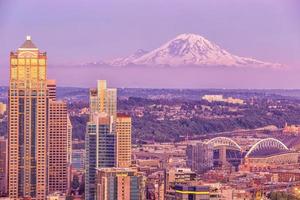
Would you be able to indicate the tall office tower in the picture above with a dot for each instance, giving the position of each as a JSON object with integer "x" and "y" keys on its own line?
{"x": 51, "y": 86}
{"x": 103, "y": 100}
{"x": 119, "y": 183}
{"x": 58, "y": 157}
{"x": 123, "y": 130}
{"x": 3, "y": 166}
{"x": 28, "y": 123}
{"x": 200, "y": 157}
{"x": 100, "y": 146}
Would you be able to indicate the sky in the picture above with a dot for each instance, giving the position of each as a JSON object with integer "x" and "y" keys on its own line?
{"x": 79, "y": 31}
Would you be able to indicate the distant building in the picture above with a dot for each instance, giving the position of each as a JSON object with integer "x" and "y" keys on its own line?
{"x": 123, "y": 131}
{"x": 220, "y": 98}
{"x": 120, "y": 183}
{"x": 3, "y": 108}
{"x": 155, "y": 186}
{"x": 291, "y": 129}
{"x": 103, "y": 100}
{"x": 178, "y": 175}
{"x": 3, "y": 166}
{"x": 200, "y": 157}
{"x": 78, "y": 157}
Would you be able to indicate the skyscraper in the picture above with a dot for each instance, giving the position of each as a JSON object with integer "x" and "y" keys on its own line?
{"x": 28, "y": 122}
{"x": 100, "y": 145}
{"x": 58, "y": 148}
{"x": 123, "y": 131}
{"x": 103, "y": 100}
{"x": 119, "y": 183}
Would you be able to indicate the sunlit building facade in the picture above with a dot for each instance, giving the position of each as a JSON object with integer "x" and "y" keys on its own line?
{"x": 119, "y": 183}
{"x": 28, "y": 123}
{"x": 103, "y": 100}
{"x": 123, "y": 131}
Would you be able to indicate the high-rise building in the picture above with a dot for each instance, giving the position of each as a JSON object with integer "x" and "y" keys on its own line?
{"x": 120, "y": 183}
{"x": 28, "y": 123}
{"x": 103, "y": 100}
{"x": 123, "y": 131}
{"x": 100, "y": 149}
{"x": 200, "y": 157}
{"x": 58, "y": 148}
{"x": 3, "y": 166}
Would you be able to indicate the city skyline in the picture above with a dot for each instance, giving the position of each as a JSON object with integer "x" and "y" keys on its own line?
{"x": 265, "y": 30}
{"x": 154, "y": 100}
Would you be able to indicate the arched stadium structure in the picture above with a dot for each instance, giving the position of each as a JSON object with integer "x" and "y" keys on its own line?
{"x": 268, "y": 154}
{"x": 225, "y": 152}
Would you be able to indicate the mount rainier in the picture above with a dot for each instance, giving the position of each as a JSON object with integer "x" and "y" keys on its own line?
{"x": 189, "y": 50}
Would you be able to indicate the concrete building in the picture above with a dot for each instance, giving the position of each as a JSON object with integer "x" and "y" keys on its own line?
{"x": 51, "y": 85}
{"x": 178, "y": 175}
{"x": 58, "y": 148}
{"x": 200, "y": 157}
{"x": 120, "y": 183}
{"x": 3, "y": 166}
{"x": 123, "y": 130}
{"x": 28, "y": 123}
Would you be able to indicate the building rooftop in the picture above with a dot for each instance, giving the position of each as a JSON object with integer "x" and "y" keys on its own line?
{"x": 28, "y": 44}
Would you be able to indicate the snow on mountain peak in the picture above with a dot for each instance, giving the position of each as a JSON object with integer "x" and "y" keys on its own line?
{"x": 189, "y": 49}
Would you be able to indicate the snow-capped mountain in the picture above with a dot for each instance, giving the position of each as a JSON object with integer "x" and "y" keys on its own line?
{"x": 189, "y": 49}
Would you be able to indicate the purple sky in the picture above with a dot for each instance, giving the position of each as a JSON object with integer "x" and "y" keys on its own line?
{"x": 82, "y": 31}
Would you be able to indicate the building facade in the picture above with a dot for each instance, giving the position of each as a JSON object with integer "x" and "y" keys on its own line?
{"x": 123, "y": 131}
{"x": 28, "y": 123}
{"x": 100, "y": 146}
{"x": 3, "y": 166}
{"x": 103, "y": 100}
{"x": 58, "y": 157}
{"x": 200, "y": 157}
{"x": 119, "y": 183}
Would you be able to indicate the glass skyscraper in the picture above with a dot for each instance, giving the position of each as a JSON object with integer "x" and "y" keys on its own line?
{"x": 100, "y": 145}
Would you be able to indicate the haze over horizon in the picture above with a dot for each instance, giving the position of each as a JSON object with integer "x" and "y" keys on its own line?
{"x": 82, "y": 32}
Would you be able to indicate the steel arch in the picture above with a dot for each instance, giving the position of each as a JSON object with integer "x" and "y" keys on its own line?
{"x": 267, "y": 142}
{"x": 220, "y": 141}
